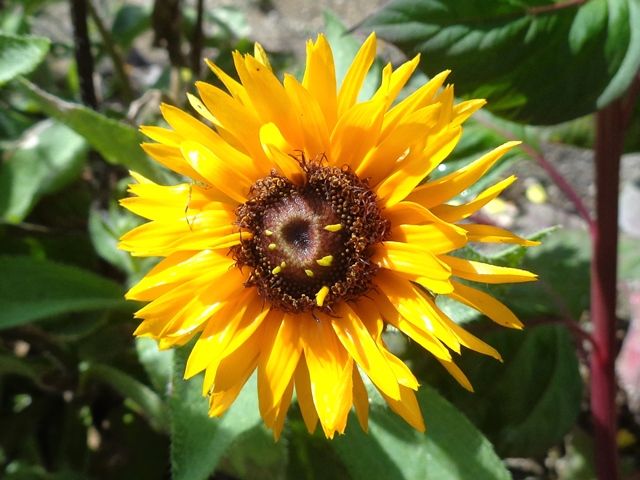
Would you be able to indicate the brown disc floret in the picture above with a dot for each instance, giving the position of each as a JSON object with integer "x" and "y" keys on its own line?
{"x": 311, "y": 243}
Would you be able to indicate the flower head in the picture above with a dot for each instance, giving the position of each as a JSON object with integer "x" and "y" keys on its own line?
{"x": 306, "y": 228}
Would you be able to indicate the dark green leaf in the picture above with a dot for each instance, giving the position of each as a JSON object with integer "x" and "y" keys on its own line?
{"x": 197, "y": 441}
{"x": 117, "y": 142}
{"x": 19, "y": 55}
{"x": 452, "y": 448}
{"x": 140, "y": 397}
{"x": 32, "y": 289}
{"x": 536, "y": 61}
{"x": 562, "y": 266}
{"x": 528, "y": 403}
{"x": 13, "y": 365}
{"x": 48, "y": 157}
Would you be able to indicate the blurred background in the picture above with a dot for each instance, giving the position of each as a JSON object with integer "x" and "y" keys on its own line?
{"x": 81, "y": 398}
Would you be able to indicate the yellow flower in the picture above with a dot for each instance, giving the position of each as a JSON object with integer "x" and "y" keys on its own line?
{"x": 305, "y": 229}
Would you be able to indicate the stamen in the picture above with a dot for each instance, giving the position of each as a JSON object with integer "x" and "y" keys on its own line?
{"x": 321, "y": 295}
{"x": 276, "y": 270}
{"x": 268, "y": 233}
{"x": 308, "y": 272}
{"x": 283, "y": 264}
{"x": 336, "y": 227}
{"x": 325, "y": 261}
{"x": 272, "y": 246}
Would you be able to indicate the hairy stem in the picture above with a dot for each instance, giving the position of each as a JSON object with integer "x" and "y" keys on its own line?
{"x": 609, "y": 143}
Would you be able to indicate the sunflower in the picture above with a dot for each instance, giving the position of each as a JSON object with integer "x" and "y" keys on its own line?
{"x": 306, "y": 228}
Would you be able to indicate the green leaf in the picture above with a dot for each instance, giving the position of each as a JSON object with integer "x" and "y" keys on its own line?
{"x": 345, "y": 47}
{"x": 117, "y": 142}
{"x": 48, "y": 157}
{"x": 158, "y": 364}
{"x": 141, "y": 398}
{"x": 197, "y": 441}
{"x": 528, "y": 403}
{"x": 19, "y": 55}
{"x": 536, "y": 61}
{"x": 451, "y": 449}
{"x": 32, "y": 289}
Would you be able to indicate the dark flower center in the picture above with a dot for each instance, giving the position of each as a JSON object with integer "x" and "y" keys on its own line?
{"x": 311, "y": 243}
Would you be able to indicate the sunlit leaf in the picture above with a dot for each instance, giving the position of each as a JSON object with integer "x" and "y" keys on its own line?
{"x": 117, "y": 142}
{"x": 47, "y": 158}
{"x": 451, "y": 449}
{"x": 197, "y": 441}
{"x": 539, "y": 62}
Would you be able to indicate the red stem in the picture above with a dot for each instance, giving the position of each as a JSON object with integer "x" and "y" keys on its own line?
{"x": 609, "y": 145}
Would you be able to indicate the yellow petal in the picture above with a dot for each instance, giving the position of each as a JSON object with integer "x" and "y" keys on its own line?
{"x": 361, "y": 122}
{"x": 418, "y": 334}
{"x": 486, "y": 304}
{"x": 415, "y": 261}
{"x": 313, "y": 121}
{"x": 422, "y": 97}
{"x": 356, "y": 74}
{"x": 361, "y": 400}
{"x": 320, "y": 78}
{"x": 358, "y": 342}
{"x": 397, "y": 80}
{"x": 486, "y": 273}
{"x": 453, "y": 213}
{"x": 444, "y": 188}
{"x": 199, "y": 107}
{"x": 491, "y": 234}
{"x": 172, "y": 158}
{"x": 304, "y": 396}
{"x": 458, "y": 374}
{"x": 412, "y": 304}
{"x": 261, "y": 56}
{"x": 437, "y": 238}
{"x": 330, "y": 372}
{"x": 415, "y": 167}
{"x": 278, "y": 360}
{"x": 217, "y": 171}
{"x": 231, "y": 375}
{"x": 268, "y": 97}
{"x": 407, "y": 407}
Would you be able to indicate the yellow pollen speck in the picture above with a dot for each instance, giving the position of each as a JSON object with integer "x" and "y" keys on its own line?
{"x": 309, "y": 272}
{"x": 272, "y": 246}
{"x": 321, "y": 295}
{"x": 283, "y": 264}
{"x": 276, "y": 270}
{"x": 325, "y": 261}
{"x": 336, "y": 227}
{"x": 268, "y": 233}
